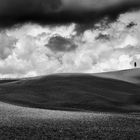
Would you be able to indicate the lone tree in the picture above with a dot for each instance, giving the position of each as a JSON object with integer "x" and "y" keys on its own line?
{"x": 135, "y": 64}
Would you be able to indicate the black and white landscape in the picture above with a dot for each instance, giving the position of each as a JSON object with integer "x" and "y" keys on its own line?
{"x": 69, "y": 69}
{"x": 71, "y": 106}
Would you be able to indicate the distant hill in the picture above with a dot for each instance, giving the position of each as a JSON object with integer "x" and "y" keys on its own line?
{"x": 129, "y": 75}
{"x": 114, "y": 91}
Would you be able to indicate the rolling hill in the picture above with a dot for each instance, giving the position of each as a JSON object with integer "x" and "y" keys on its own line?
{"x": 114, "y": 91}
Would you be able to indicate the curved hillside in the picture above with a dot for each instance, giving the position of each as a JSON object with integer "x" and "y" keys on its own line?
{"x": 84, "y": 92}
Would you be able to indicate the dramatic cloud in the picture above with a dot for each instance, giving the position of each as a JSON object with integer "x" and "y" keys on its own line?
{"x": 32, "y": 50}
{"x": 62, "y": 11}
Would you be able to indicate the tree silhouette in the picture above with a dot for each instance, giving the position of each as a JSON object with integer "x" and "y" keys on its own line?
{"x": 135, "y": 64}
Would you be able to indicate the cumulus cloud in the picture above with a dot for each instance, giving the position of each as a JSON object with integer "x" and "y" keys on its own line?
{"x": 39, "y": 50}
{"x": 7, "y": 44}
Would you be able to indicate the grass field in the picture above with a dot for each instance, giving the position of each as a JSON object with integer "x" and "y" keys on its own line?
{"x": 21, "y": 123}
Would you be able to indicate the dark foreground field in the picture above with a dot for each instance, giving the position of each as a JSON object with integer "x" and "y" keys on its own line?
{"x": 71, "y": 106}
{"x": 21, "y": 123}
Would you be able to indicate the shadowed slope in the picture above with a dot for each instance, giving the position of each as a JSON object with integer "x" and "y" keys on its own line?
{"x": 73, "y": 92}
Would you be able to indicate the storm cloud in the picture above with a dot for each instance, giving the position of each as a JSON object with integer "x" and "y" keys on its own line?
{"x": 33, "y": 50}
{"x": 62, "y": 11}
{"x": 68, "y": 36}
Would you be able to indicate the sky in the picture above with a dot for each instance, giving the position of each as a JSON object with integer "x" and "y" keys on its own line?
{"x": 41, "y": 37}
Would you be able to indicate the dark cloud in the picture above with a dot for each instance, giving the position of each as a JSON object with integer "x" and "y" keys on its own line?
{"x": 17, "y": 8}
{"x": 61, "y": 44}
{"x": 51, "y": 6}
{"x": 131, "y": 24}
{"x": 19, "y": 11}
{"x": 58, "y": 12}
{"x": 101, "y": 36}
